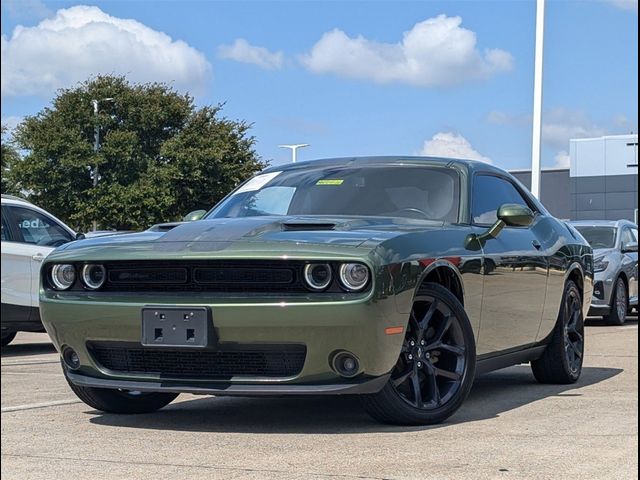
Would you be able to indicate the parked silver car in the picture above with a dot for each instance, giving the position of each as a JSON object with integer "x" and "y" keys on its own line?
{"x": 615, "y": 253}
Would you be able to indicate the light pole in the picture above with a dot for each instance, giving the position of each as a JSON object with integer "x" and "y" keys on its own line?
{"x": 294, "y": 148}
{"x": 96, "y": 144}
{"x": 537, "y": 100}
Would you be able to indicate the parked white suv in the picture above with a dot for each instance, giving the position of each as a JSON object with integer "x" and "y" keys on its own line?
{"x": 29, "y": 234}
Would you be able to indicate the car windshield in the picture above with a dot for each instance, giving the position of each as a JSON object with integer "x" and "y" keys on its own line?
{"x": 430, "y": 193}
{"x": 599, "y": 237}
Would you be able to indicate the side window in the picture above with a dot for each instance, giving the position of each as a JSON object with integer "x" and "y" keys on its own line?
{"x": 489, "y": 193}
{"x": 39, "y": 229}
{"x": 628, "y": 236}
{"x": 6, "y": 233}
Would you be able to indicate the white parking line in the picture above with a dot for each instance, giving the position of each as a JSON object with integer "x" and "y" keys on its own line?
{"x": 31, "y": 406}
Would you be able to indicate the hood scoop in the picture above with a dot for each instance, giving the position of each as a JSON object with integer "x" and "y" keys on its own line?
{"x": 307, "y": 226}
{"x": 164, "y": 227}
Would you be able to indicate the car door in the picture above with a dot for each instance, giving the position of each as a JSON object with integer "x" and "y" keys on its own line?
{"x": 630, "y": 261}
{"x": 38, "y": 235}
{"x": 16, "y": 273}
{"x": 515, "y": 269}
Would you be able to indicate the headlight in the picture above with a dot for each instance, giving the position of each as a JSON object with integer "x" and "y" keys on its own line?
{"x": 354, "y": 276}
{"x": 63, "y": 276}
{"x": 317, "y": 276}
{"x": 93, "y": 276}
{"x": 600, "y": 264}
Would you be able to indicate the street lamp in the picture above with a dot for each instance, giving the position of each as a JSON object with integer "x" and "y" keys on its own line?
{"x": 96, "y": 144}
{"x": 537, "y": 100}
{"x": 294, "y": 148}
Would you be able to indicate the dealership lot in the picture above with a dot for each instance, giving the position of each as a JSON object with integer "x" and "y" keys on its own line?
{"x": 510, "y": 427}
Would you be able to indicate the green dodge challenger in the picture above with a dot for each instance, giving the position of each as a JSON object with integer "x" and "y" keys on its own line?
{"x": 398, "y": 279}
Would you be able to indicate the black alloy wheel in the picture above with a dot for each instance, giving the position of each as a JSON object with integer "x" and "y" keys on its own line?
{"x": 436, "y": 365}
{"x": 561, "y": 362}
{"x": 432, "y": 360}
{"x": 574, "y": 332}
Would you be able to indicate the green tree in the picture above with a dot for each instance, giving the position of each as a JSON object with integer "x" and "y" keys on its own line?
{"x": 159, "y": 158}
{"x": 10, "y": 157}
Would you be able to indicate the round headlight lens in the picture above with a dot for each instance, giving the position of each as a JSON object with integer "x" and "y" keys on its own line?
{"x": 317, "y": 275}
{"x": 93, "y": 276}
{"x": 354, "y": 276}
{"x": 63, "y": 276}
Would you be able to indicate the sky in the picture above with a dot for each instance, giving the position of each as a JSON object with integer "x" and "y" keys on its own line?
{"x": 445, "y": 78}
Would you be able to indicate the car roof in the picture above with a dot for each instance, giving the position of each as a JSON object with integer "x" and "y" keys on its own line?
{"x": 471, "y": 165}
{"x": 602, "y": 223}
{"x": 13, "y": 199}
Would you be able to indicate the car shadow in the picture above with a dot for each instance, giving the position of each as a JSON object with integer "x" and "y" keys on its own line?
{"x": 492, "y": 395}
{"x": 23, "y": 349}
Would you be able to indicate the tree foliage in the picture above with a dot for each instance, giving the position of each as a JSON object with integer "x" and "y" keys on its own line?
{"x": 9, "y": 156}
{"x": 159, "y": 157}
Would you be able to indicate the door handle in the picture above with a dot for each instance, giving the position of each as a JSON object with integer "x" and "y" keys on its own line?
{"x": 38, "y": 257}
{"x": 536, "y": 244}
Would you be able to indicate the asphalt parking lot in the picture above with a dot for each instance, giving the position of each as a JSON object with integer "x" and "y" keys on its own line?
{"x": 510, "y": 427}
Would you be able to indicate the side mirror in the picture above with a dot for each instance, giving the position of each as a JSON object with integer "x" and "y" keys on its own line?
{"x": 509, "y": 215}
{"x": 193, "y": 216}
{"x": 80, "y": 236}
{"x": 514, "y": 215}
{"x": 631, "y": 247}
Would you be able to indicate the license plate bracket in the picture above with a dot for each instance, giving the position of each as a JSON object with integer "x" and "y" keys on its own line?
{"x": 184, "y": 327}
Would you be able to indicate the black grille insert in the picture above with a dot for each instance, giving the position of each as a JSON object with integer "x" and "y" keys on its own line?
{"x": 253, "y": 360}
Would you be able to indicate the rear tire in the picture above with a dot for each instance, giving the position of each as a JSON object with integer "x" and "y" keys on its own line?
{"x": 561, "y": 362}
{"x": 121, "y": 401}
{"x": 7, "y": 337}
{"x": 619, "y": 304}
{"x": 436, "y": 366}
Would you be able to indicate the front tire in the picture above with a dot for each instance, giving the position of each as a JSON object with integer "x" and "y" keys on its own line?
{"x": 619, "y": 304}
{"x": 121, "y": 401}
{"x": 436, "y": 367}
{"x": 561, "y": 362}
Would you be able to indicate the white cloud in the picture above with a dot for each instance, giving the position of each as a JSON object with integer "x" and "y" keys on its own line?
{"x": 631, "y": 5}
{"x": 451, "y": 145}
{"x": 82, "y": 41}
{"x": 434, "y": 53}
{"x": 242, "y": 51}
{"x": 562, "y": 159}
{"x": 559, "y": 125}
{"x": 502, "y": 118}
{"x": 26, "y": 9}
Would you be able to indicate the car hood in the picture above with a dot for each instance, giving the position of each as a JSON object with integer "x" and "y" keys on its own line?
{"x": 603, "y": 252}
{"x": 261, "y": 237}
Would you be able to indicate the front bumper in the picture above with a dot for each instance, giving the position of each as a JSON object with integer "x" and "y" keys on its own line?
{"x": 324, "y": 327}
{"x": 602, "y": 291}
{"x": 362, "y": 386}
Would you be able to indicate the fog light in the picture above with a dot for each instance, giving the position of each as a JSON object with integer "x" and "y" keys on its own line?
{"x": 71, "y": 358}
{"x": 345, "y": 364}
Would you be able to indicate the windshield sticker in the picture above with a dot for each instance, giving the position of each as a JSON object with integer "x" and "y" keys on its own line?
{"x": 330, "y": 181}
{"x": 257, "y": 182}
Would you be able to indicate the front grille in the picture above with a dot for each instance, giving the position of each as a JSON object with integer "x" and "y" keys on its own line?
{"x": 273, "y": 360}
{"x": 215, "y": 276}
{"x": 206, "y": 276}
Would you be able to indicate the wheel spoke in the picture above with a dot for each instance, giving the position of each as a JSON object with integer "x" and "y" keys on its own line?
{"x": 415, "y": 381}
{"x": 444, "y": 328}
{"x": 455, "y": 349}
{"x": 433, "y": 385}
{"x": 447, "y": 374}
